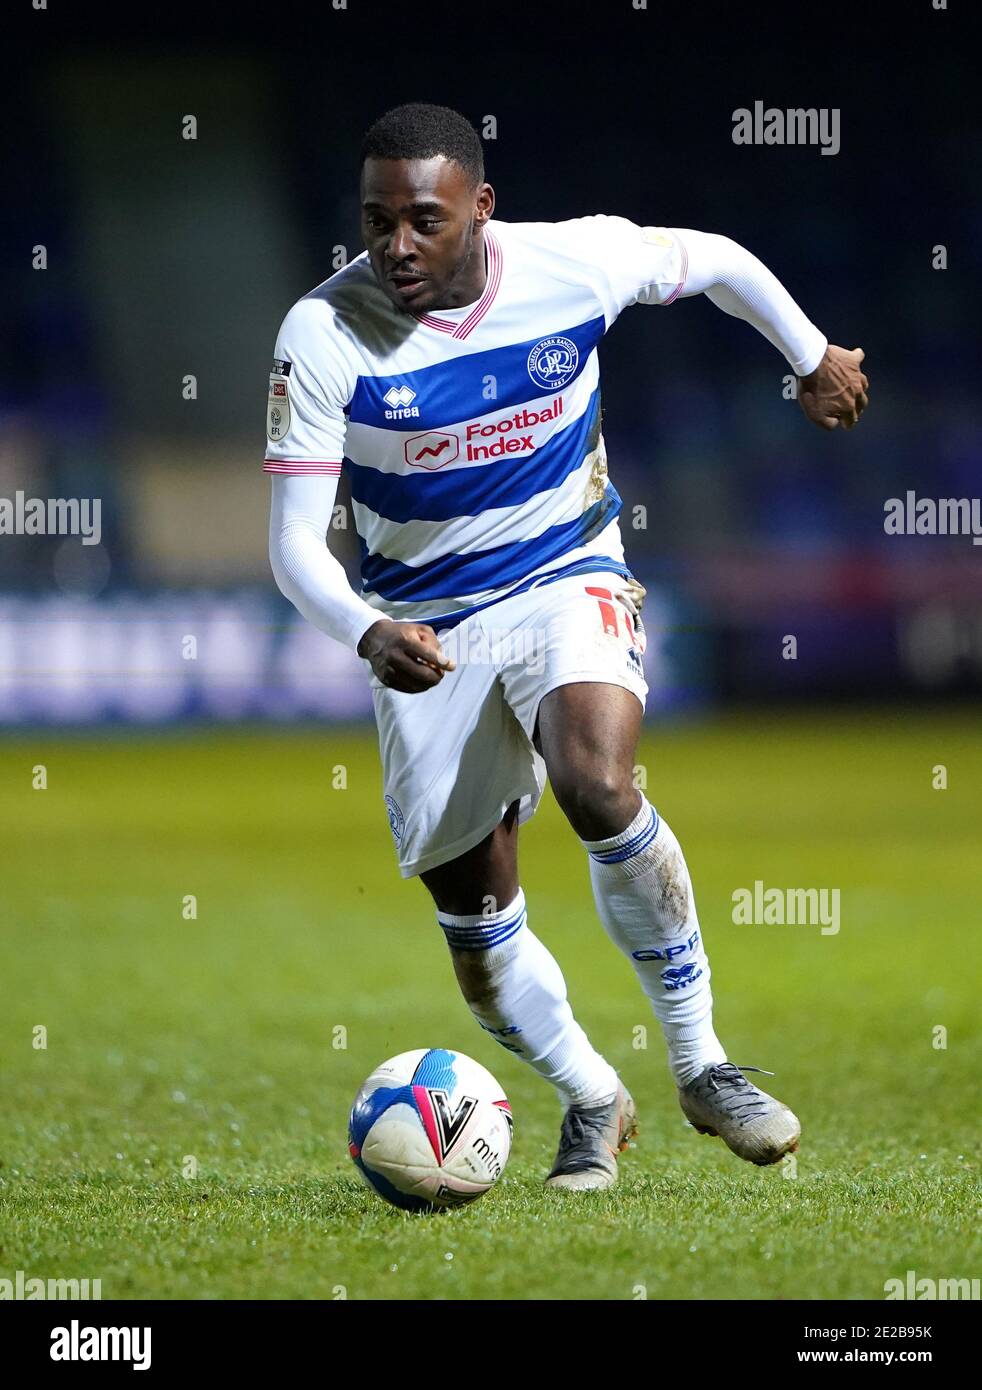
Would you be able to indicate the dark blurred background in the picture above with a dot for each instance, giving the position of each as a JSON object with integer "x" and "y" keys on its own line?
{"x": 170, "y": 258}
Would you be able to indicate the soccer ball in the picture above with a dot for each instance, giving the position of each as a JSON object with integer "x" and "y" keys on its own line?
{"x": 430, "y": 1129}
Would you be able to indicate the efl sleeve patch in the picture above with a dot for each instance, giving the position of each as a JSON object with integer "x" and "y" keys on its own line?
{"x": 278, "y": 407}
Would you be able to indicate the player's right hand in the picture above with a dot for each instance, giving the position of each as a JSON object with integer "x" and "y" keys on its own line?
{"x": 405, "y": 656}
{"x": 837, "y": 391}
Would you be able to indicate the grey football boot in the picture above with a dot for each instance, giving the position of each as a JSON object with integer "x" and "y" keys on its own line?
{"x": 722, "y": 1102}
{"x": 589, "y": 1142}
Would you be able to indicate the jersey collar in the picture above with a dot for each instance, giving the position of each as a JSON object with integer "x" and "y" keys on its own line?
{"x": 461, "y": 328}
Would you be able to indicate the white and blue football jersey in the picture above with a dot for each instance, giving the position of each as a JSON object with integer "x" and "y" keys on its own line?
{"x": 471, "y": 436}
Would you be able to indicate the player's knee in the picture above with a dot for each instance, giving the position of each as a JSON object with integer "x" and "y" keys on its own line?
{"x": 452, "y": 889}
{"x": 596, "y": 802}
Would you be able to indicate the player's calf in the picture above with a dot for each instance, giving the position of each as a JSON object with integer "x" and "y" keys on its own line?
{"x": 517, "y": 994}
{"x": 644, "y": 898}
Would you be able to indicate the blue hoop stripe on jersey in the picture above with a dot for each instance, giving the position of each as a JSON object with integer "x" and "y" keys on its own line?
{"x": 588, "y": 565}
{"x": 504, "y": 482}
{"x": 482, "y": 938}
{"x": 454, "y": 390}
{"x": 484, "y": 569}
{"x": 634, "y": 846}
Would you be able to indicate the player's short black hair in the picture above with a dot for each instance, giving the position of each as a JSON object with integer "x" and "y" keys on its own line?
{"x": 421, "y": 131}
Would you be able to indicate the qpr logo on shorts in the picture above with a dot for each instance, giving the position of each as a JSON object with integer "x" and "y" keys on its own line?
{"x": 397, "y": 821}
{"x": 552, "y": 362}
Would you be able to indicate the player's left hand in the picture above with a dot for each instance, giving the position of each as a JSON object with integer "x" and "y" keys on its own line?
{"x": 837, "y": 391}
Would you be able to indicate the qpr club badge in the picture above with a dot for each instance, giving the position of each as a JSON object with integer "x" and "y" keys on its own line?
{"x": 397, "y": 821}
{"x": 553, "y": 362}
{"x": 278, "y": 405}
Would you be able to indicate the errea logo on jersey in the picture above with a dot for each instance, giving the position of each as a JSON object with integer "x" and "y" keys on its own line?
{"x": 399, "y": 399}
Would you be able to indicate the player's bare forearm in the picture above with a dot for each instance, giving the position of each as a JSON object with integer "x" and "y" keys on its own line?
{"x": 837, "y": 391}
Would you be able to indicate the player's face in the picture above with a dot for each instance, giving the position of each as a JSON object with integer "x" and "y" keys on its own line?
{"x": 422, "y": 221}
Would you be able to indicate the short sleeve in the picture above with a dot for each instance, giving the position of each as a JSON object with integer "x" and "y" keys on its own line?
{"x": 308, "y": 393}
{"x": 638, "y": 265}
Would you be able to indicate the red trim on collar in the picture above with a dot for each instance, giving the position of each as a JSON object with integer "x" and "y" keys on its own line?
{"x": 462, "y": 329}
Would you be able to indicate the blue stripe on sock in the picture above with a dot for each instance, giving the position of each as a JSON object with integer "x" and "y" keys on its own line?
{"x": 497, "y": 932}
{"x": 481, "y": 938}
{"x": 484, "y": 925}
{"x": 483, "y": 943}
{"x": 633, "y": 846}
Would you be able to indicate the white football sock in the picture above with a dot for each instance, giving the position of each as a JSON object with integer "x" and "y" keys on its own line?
{"x": 519, "y": 997}
{"x": 644, "y": 897}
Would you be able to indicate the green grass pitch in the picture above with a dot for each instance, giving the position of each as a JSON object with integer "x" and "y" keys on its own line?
{"x": 218, "y": 1039}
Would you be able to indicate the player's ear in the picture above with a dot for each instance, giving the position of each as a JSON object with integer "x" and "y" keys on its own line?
{"x": 483, "y": 204}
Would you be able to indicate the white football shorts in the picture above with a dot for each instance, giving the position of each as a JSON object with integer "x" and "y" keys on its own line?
{"x": 455, "y": 756}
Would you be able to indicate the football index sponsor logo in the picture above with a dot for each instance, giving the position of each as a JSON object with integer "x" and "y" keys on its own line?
{"x": 483, "y": 439}
{"x": 434, "y": 449}
{"x": 400, "y": 399}
{"x": 505, "y": 436}
{"x": 552, "y": 362}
